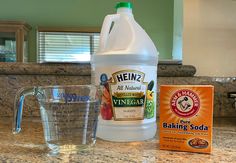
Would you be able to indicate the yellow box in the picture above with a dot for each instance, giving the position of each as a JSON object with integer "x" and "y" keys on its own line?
{"x": 186, "y": 117}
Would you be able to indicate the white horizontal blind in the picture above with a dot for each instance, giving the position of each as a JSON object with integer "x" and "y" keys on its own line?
{"x": 66, "y": 46}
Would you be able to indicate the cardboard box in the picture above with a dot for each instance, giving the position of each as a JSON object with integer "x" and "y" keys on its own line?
{"x": 186, "y": 117}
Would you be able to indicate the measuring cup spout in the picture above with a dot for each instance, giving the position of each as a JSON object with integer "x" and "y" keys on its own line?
{"x": 18, "y": 107}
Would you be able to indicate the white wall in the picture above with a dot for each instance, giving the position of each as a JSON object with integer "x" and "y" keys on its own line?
{"x": 209, "y": 37}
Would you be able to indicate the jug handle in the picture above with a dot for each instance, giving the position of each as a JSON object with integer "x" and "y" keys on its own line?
{"x": 106, "y": 29}
{"x": 18, "y": 107}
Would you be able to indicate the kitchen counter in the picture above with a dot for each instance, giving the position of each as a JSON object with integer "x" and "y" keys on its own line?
{"x": 28, "y": 146}
{"x": 14, "y": 76}
{"x": 82, "y": 69}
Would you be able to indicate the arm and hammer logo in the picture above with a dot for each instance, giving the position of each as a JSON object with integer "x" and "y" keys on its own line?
{"x": 185, "y": 103}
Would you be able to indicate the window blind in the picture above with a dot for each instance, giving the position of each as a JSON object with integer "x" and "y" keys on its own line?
{"x": 66, "y": 46}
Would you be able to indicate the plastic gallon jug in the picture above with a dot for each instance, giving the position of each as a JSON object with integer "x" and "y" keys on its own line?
{"x": 126, "y": 65}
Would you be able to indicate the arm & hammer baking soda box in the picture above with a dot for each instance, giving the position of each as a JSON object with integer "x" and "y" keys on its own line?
{"x": 186, "y": 117}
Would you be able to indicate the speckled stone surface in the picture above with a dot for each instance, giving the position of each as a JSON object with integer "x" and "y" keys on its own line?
{"x": 29, "y": 146}
{"x": 176, "y": 70}
{"x": 10, "y": 84}
{"x": 44, "y": 69}
{"x": 14, "y": 76}
{"x": 81, "y": 69}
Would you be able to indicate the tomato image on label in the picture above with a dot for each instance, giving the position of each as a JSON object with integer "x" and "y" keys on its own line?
{"x": 150, "y": 104}
{"x": 106, "y": 105}
{"x": 106, "y": 111}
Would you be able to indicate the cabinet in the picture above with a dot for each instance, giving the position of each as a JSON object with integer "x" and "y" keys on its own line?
{"x": 14, "y": 41}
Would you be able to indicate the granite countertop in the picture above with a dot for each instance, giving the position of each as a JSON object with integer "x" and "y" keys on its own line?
{"x": 83, "y": 69}
{"x": 29, "y": 146}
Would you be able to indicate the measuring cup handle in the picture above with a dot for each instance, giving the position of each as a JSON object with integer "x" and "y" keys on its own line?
{"x": 18, "y": 107}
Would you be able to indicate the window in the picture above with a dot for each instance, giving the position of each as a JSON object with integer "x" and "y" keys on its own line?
{"x": 67, "y": 45}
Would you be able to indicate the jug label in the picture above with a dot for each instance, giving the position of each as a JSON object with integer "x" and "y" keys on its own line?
{"x": 129, "y": 92}
{"x": 128, "y": 95}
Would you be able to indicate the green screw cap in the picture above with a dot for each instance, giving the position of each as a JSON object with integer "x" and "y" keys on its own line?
{"x": 124, "y": 4}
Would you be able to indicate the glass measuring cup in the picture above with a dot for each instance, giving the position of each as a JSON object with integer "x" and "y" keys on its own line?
{"x": 69, "y": 115}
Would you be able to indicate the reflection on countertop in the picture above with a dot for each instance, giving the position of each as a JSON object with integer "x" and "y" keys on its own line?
{"x": 29, "y": 146}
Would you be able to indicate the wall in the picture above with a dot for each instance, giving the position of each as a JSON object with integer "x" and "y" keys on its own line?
{"x": 178, "y": 30}
{"x": 209, "y": 41}
{"x": 155, "y": 16}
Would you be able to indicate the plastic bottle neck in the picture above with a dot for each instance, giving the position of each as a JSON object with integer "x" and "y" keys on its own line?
{"x": 125, "y": 11}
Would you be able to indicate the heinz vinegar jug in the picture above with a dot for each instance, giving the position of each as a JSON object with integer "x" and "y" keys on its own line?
{"x": 126, "y": 65}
